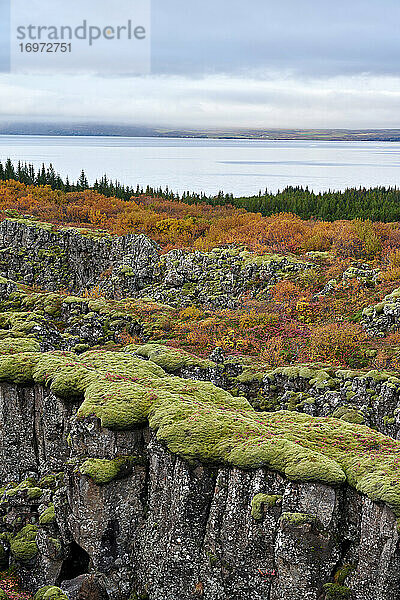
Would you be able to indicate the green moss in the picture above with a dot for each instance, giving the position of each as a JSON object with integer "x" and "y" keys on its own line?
{"x": 28, "y": 486}
{"x": 14, "y": 346}
{"x": 315, "y": 254}
{"x": 351, "y": 415}
{"x": 34, "y": 493}
{"x": 32, "y": 222}
{"x": 51, "y": 481}
{"x": 103, "y": 471}
{"x": 169, "y": 359}
{"x": 260, "y": 501}
{"x": 79, "y": 348}
{"x": 23, "y": 545}
{"x": 47, "y": 516}
{"x": 268, "y": 403}
{"x": 265, "y": 259}
{"x": 320, "y": 378}
{"x": 199, "y": 421}
{"x": 53, "y": 593}
{"x": 298, "y": 519}
{"x": 139, "y": 596}
{"x": 250, "y": 376}
{"x": 213, "y": 559}
{"x": 41, "y": 592}
{"x": 335, "y": 591}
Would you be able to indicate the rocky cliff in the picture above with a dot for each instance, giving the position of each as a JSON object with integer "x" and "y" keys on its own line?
{"x": 138, "y": 471}
{"x": 78, "y": 260}
{"x": 189, "y": 506}
{"x": 71, "y": 259}
{"x": 117, "y": 504}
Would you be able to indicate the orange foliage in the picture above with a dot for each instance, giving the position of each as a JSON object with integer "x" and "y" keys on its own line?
{"x": 286, "y": 292}
{"x": 174, "y": 224}
{"x": 339, "y": 342}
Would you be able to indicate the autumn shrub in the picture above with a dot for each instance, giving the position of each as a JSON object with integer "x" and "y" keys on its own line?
{"x": 254, "y": 318}
{"x": 286, "y": 292}
{"x": 347, "y": 243}
{"x": 191, "y": 313}
{"x": 367, "y": 232}
{"x": 392, "y": 270}
{"x": 202, "y": 226}
{"x": 285, "y": 232}
{"x": 393, "y": 258}
{"x": 319, "y": 237}
{"x": 338, "y": 342}
{"x": 273, "y": 352}
{"x": 93, "y": 293}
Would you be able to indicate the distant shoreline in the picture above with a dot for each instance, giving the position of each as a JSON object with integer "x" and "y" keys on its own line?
{"x": 98, "y": 130}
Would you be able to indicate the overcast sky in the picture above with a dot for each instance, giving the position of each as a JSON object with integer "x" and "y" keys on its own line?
{"x": 220, "y": 63}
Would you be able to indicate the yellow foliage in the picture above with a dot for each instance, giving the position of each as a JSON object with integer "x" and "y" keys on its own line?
{"x": 191, "y": 313}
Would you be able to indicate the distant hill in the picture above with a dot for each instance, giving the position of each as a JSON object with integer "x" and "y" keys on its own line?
{"x": 100, "y": 129}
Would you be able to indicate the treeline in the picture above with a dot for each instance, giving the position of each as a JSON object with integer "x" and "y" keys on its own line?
{"x": 377, "y": 204}
{"x": 26, "y": 173}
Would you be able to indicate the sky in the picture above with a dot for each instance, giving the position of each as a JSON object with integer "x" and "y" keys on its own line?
{"x": 235, "y": 64}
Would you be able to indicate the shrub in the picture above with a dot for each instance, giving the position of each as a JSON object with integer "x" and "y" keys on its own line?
{"x": 339, "y": 342}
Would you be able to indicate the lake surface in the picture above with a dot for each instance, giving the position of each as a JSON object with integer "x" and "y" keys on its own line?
{"x": 241, "y": 167}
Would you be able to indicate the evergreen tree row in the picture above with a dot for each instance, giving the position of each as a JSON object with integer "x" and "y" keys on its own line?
{"x": 377, "y": 204}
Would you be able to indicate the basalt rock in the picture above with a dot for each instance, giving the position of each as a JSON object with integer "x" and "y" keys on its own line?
{"x": 168, "y": 528}
{"x": 79, "y": 260}
{"x": 384, "y": 317}
{"x": 39, "y": 254}
{"x": 218, "y": 278}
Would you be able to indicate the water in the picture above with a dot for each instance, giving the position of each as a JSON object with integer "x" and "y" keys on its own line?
{"x": 241, "y": 167}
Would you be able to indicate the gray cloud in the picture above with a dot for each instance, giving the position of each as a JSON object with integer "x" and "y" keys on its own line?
{"x": 264, "y": 63}
{"x": 311, "y": 37}
{"x": 213, "y": 101}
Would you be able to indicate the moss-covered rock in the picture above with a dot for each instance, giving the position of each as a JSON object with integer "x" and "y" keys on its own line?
{"x": 23, "y": 545}
{"x": 169, "y": 359}
{"x": 334, "y": 591}
{"x": 104, "y": 471}
{"x": 199, "y": 421}
{"x": 297, "y": 519}
{"x": 351, "y": 415}
{"x": 48, "y": 515}
{"x": 49, "y": 592}
{"x": 41, "y": 592}
{"x": 259, "y": 501}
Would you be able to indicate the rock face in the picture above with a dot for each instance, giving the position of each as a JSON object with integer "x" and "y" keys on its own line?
{"x": 218, "y": 278}
{"x": 362, "y": 272}
{"x": 73, "y": 260}
{"x": 39, "y": 254}
{"x": 116, "y": 466}
{"x": 383, "y": 317}
{"x": 165, "y": 528}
